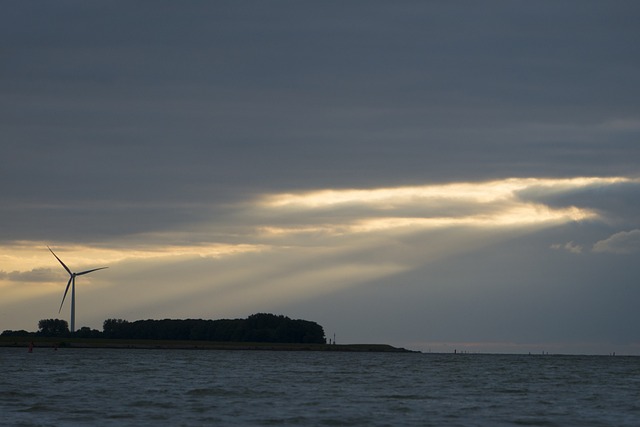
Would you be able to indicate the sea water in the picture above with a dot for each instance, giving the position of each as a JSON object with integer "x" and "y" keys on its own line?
{"x": 81, "y": 387}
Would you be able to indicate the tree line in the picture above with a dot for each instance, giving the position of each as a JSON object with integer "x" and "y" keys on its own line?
{"x": 260, "y": 327}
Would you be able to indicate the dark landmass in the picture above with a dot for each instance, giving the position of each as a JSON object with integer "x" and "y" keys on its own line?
{"x": 62, "y": 343}
{"x": 261, "y": 331}
{"x": 260, "y": 327}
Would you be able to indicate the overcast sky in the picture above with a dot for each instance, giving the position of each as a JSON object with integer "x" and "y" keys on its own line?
{"x": 435, "y": 175}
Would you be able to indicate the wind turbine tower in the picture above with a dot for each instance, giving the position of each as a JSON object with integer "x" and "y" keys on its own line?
{"x": 72, "y": 283}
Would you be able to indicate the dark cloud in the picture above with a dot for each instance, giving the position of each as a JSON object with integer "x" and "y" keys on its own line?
{"x": 618, "y": 203}
{"x": 122, "y": 121}
{"x": 182, "y": 102}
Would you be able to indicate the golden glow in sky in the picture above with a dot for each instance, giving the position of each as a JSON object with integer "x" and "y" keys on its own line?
{"x": 483, "y": 204}
{"x": 481, "y": 192}
{"x": 286, "y": 247}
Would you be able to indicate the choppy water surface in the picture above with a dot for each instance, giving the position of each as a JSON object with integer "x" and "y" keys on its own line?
{"x": 190, "y": 387}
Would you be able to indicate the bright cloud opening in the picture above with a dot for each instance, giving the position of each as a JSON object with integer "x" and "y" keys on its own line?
{"x": 481, "y": 192}
{"x": 286, "y": 247}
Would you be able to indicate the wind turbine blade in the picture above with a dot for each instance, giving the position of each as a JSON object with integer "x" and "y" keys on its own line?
{"x": 65, "y": 293}
{"x": 63, "y": 264}
{"x": 89, "y": 271}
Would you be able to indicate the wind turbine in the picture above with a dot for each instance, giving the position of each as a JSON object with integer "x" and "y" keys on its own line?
{"x": 72, "y": 282}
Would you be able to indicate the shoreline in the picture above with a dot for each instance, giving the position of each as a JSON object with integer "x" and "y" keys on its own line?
{"x": 107, "y": 343}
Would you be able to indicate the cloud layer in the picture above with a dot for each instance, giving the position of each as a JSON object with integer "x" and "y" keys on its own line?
{"x": 396, "y": 172}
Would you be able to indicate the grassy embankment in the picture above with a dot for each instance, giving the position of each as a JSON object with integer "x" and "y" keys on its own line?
{"x": 54, "y": 342}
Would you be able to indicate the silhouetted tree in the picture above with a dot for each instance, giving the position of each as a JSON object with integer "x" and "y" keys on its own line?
{"x": 20, "y": 333}
{"x": 261, "y": 327}
{"x": 53, "y": 327}
{"x": 87, "y": 332}
{"x": 115, "y": 328}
